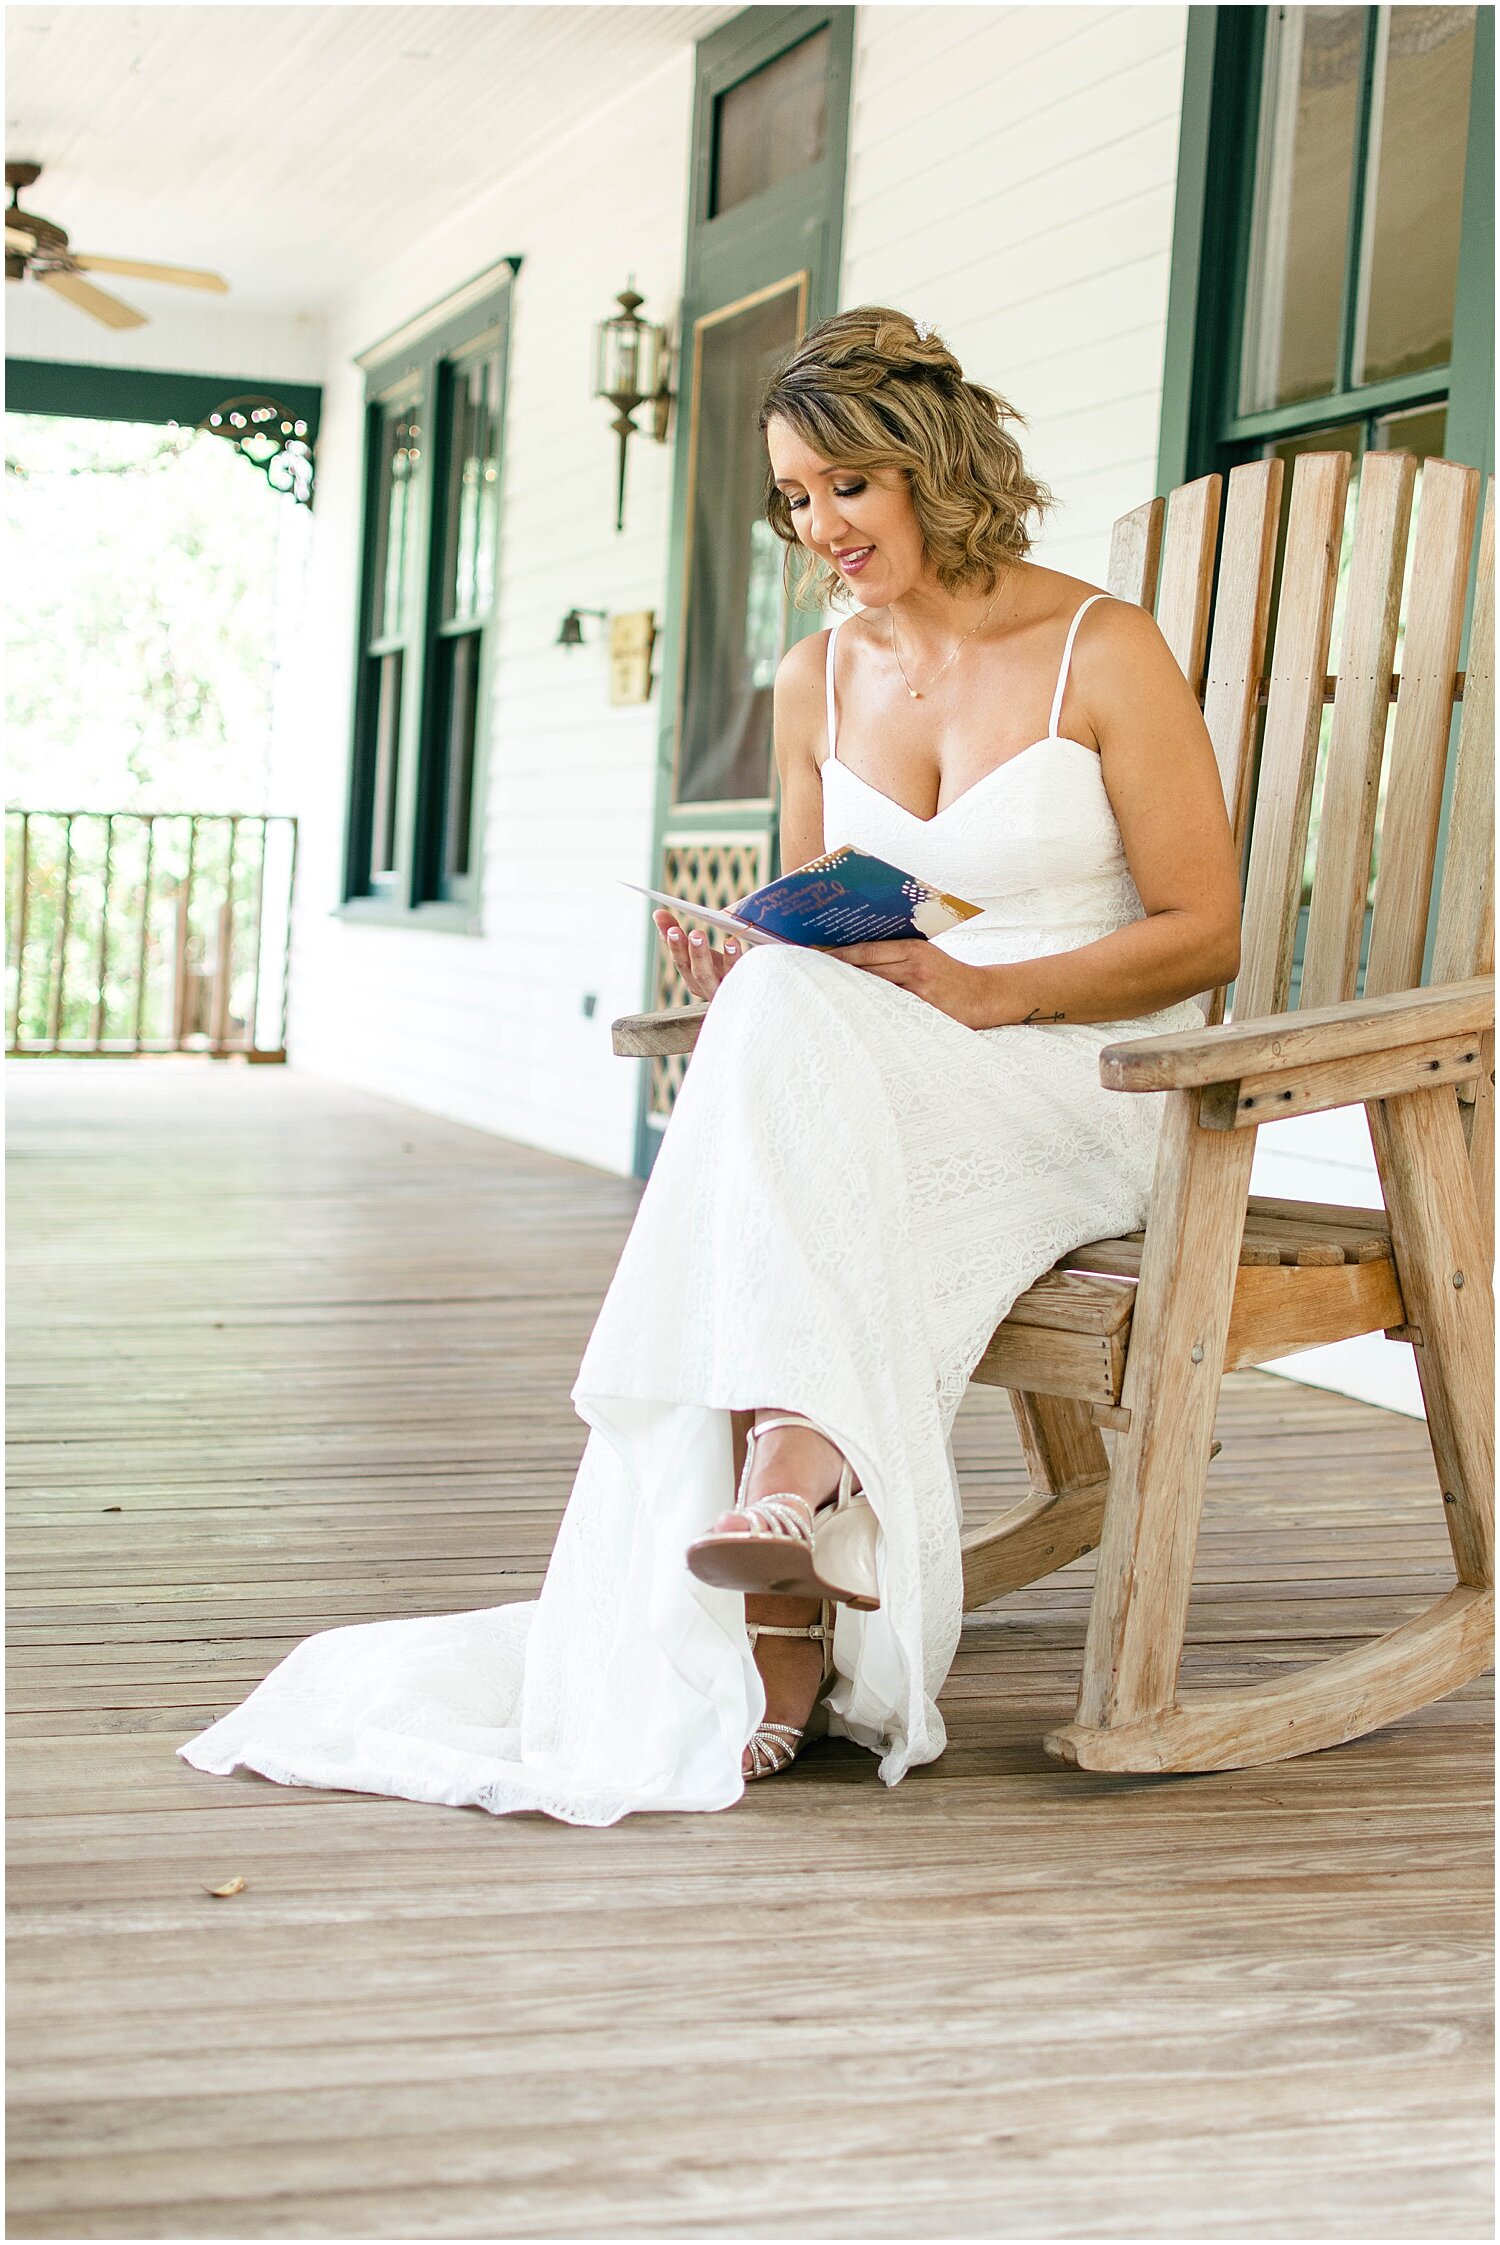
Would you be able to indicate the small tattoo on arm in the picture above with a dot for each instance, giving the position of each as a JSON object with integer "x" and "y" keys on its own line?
{"x": 1035, "y": 1015}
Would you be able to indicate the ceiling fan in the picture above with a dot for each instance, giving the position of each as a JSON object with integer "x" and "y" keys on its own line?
{"x": 34, "y": 245}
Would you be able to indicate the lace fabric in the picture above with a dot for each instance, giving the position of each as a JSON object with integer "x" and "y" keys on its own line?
{"x": 852, "y": 1192}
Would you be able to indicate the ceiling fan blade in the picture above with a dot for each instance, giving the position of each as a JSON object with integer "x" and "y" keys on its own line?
{"x": 17, "y": 238}
{"x": 92, "y": 300}
{"x": 181, "y": 276}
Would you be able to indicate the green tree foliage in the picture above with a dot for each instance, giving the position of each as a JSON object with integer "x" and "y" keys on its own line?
{"x": 149, "y": 566}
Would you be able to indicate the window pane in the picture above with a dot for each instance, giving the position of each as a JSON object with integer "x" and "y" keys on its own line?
{"x": 1423, "y": 432}
{"x": 473, "y": 489}
{"x": 458, "y": 704}
{"x": 736, "y": 608}
{"x": 771, "y": 125}
{"x": 386, "y": 761}
{"x": 400, "y": 451}
{"x": 1418, "y": 132}
{"x": 1304, "y": 167}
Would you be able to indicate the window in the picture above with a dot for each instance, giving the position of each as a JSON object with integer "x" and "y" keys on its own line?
{"x": 1332, "y": 269}
{"x": 434, "y": 412}
{"x": 736, "y": 608}
{"x": 772, "y": 124}
{"x": 1331, "y": 278}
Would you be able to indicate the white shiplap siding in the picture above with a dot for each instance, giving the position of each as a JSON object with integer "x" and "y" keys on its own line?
{"x": 184, "y": 336}
{"x": 490, "y": 1029}
{"x": 1012, "y": 178}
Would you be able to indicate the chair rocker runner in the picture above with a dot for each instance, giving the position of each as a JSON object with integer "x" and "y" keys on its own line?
{"x": 1134, "y": 1334}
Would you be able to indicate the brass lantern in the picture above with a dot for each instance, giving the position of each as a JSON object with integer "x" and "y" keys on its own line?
{"x": 632, "y": 362}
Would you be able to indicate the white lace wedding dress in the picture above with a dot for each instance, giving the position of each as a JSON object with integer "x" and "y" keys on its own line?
{"x": 852, "y": 1191}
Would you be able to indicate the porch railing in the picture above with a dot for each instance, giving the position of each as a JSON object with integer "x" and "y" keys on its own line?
{"x": 148, "y": 931}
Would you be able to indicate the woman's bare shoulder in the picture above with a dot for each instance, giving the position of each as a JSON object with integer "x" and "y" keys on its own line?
{"x": 800, "y": 669}
{"x": 798, "y": 701}
{"x": 1125, "y": 675}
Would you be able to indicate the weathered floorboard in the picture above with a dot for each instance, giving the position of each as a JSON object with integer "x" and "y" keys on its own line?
{"x": 316, "y": 1349}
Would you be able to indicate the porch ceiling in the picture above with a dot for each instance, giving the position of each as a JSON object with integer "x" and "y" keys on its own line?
{"x": 298, "y": 149}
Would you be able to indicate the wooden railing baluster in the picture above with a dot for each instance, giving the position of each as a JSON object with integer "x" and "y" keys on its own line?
{"x": 140, "y": 961}
{"x": 184, "y": 930}
{"x": 286, "y": 953}
{"x": 218, "y": 1019}
{"x": 55, "y": 989}
{"x": 101, "y": 1002}
{"x": 22, "y": 902}
{"x": 252, "y": 1022}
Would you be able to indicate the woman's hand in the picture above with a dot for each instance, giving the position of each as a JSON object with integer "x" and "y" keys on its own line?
{"x": 965, "y": 993}
{"x": 702, "y": 967}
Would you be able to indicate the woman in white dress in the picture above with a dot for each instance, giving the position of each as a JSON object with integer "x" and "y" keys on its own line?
{"x": 875, "y": 1151}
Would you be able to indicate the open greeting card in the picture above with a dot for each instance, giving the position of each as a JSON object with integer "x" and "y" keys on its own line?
{"x": 845, "y": 897}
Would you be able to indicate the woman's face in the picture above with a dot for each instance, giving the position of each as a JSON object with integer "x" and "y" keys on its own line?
{"x": 861, "y": 521}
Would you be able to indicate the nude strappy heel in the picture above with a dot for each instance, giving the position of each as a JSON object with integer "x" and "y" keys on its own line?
{"x": 795, "y": 1550}
{"x": 775, "y": 1746}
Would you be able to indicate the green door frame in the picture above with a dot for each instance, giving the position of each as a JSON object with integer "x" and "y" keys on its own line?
{"x": 794, "y": 226}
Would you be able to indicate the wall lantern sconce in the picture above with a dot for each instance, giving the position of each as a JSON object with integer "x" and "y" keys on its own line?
{"x": 571, "y": 634}
{"x": 632, "y": 366}
{"x": 632, "y": 641}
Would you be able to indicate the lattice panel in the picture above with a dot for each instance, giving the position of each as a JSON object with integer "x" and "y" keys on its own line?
{"x": 707, "y": 869}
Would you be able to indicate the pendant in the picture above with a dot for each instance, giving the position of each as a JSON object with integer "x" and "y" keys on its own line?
{"x": 916, "y": 697}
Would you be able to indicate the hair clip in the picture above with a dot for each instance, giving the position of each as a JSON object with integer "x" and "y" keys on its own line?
{"x": 923, "y": 328}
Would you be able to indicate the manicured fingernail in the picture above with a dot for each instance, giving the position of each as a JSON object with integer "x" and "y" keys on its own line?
{"x": 675, "y": 936}
{"x": 695, "y": 937}
{"x": 731, "y": 945}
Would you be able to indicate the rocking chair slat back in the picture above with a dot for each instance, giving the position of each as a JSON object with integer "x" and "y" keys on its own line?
{"x": 1187, "y": 574}
{"x": 1465, "y": 943}
{"x": 1242, "y": 611}
{"x": 1466, "y": 909}
{"x": 1135, "y": 553}
{"x": 1424, "y": 714}
{"x": 1289, "y": 746}
{"x": 1237, "y": 651}
{"x": 1361, "y": 718}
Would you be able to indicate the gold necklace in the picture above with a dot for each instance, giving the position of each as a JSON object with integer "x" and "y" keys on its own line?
{"x": 916, "y": 692}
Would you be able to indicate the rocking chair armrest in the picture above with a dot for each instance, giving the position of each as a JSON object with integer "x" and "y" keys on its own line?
{"x": 649, "y": 1036}
{"x": 1192, "y": 1059}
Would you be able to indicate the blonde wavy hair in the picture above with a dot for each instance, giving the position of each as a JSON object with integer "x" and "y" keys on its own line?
{"x": 870, "y": 389}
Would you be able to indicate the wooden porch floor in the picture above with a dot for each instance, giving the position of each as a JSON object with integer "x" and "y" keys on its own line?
{"x": 285, "y": 1357}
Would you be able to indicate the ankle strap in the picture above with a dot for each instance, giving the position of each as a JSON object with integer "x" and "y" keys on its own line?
{"x": 759, "y": 1427}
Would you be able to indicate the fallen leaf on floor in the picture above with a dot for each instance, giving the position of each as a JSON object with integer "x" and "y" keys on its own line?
{"x": 235, "y": 1886}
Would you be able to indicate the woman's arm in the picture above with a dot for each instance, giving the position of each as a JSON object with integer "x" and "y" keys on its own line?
{"x": 800, "y": 702}
{"x": 797, "y": 711}
{"x": 1163, "y": 783}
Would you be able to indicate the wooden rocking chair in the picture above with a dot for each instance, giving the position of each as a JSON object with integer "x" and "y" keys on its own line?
{"x": 1135, "y": 1333}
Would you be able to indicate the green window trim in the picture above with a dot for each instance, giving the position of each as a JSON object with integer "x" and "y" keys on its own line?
{"x": 1199, "y": 433}
{"x": 400, "y": 785}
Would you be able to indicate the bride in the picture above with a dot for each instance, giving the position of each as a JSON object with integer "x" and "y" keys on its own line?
{"x": 874, "y": 1152}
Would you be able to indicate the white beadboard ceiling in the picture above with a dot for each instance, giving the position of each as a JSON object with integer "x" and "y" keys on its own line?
{"x": 297, "y": 149}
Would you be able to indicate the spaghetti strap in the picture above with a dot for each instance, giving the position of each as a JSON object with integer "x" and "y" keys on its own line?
{"x": 833, "y": 633}
{"x": 1067, "y": 657}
